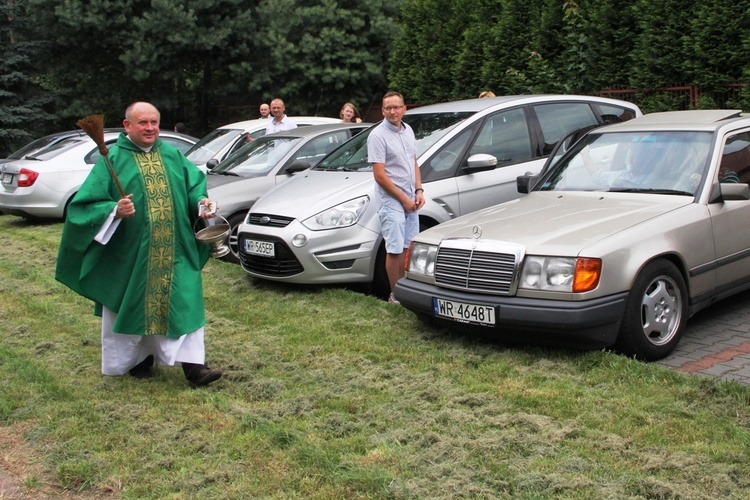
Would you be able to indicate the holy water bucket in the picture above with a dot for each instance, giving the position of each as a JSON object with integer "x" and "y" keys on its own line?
{"x": 215, "y": 235}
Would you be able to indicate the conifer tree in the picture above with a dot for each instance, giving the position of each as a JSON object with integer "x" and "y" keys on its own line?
{"x": 22, "y": 98}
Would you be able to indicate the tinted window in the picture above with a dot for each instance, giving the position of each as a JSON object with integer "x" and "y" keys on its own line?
{"x": 257, "y": 158}
{"x": 445, "y": 162}
{"x": 210, "y": 145}
{"x": 317, "y": 148}
{"x": 558, "y": 119}
{"x": 181, "y": 145}
{"x": 60, "y": 147}
{"x": 34, "y": 146}
{"x": 428, "y": 129}
{"x": 615, "y": 114}
{"x": 735, "y": 159}
{"x": 505, "y": 136}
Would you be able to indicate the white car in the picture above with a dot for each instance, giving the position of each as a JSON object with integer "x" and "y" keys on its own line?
{"x": 42, "y": 184}
{"x": 635, "y": 228}
{"x": 321, "y": 226}
{"x": 225, "y": 140}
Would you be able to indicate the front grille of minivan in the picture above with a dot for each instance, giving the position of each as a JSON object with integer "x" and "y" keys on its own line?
{"x": 284, "y": 263}
{"x": 269, "y": 220}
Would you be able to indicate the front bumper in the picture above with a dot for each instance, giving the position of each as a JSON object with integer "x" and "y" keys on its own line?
{"x": 345, "y": 255}
{"x": 588, "y": 324}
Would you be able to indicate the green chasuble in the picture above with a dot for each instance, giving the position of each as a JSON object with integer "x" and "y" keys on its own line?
{"x": 149, "y": 271}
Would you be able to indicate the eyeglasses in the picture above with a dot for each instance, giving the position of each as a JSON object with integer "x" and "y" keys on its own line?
{"x": 388, "y": 109}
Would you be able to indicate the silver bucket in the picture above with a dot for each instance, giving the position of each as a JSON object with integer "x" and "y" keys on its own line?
{"x": 215, "y": 235}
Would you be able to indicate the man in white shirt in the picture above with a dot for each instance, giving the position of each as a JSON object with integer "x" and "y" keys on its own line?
{"x": 391, "y": 149}
{"x": 280, "y": 120}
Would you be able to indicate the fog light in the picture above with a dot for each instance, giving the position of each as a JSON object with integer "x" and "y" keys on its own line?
{"x": 299, "y": 240}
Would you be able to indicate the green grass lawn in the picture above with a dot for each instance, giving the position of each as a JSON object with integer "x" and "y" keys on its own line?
{"x": 329, "y": 393}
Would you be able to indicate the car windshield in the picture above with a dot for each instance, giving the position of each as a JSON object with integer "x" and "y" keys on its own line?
{"x": 256, "y": 158}
{"x": 643, "y": 162}
{"x": 428, "y": 129}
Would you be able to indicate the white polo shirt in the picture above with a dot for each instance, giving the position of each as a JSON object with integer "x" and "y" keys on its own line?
{"x": 286, "y": 123}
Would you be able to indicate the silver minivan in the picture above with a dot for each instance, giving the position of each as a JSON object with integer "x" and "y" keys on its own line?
{"x": 321, "y": 226}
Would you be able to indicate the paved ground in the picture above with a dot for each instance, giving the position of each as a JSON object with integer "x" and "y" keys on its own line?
{"x": 717, "y": 342}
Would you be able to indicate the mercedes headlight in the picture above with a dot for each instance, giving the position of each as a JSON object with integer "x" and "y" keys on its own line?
{"x": 422, "y": 259}
{"x": 560, "y": 274}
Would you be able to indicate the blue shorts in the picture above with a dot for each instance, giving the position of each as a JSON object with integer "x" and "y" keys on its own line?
{"x": 398, "y": 228}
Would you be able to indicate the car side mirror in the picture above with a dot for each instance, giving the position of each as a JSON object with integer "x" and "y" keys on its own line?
{"x": 524, "y": 183}
{"x": 729, "y": 191}
{"x": 211, "y": 164}
{"x": 297, "y": 166}
{"x": 480, "y": 163}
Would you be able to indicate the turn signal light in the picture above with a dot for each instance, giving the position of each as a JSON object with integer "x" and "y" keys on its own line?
{"x": 588, "y": 272}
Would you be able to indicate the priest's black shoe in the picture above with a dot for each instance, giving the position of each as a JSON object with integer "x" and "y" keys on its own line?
{"x": 200, "y": 375}
{"x": 143, "y": 369}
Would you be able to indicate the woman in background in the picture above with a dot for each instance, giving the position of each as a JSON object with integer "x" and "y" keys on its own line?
{"x": 350, "y": 114}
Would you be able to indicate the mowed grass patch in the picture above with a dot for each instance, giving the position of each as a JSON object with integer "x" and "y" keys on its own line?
{"x": 329, "y": 393}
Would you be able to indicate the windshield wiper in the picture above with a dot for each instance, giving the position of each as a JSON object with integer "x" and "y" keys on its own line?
{"x": 650, "y": 191}
{"x": 339, "y": 168}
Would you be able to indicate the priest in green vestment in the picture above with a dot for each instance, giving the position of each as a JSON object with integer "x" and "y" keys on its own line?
{"x": 137, "y": 257}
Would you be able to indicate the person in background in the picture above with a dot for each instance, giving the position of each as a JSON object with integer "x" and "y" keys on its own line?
{"x": 265, "y": 110}
{"x": 391, "y": 149}
{"x": 350, "y": 114}
{"x": 280, "y": 120}
{"x": 135, "y": 255}
{"x": 486, "y": 93}
{"x": 180, "y": 128}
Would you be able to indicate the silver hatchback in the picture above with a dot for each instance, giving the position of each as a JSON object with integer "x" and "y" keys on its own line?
{"x": 321, "y": 226}
{"x": 42, "y": 183}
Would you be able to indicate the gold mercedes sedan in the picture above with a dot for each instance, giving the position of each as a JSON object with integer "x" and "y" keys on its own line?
{"x": 621, "y": 238}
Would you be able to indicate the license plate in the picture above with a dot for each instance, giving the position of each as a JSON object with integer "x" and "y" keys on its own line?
{"x": 7, "y": 178}
{"x": 262, "y": 248}
{"x": 465, "y": 313}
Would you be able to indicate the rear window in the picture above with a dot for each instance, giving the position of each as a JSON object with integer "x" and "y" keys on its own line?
{"x": 60, "y": 147}
{"x": 34, "y": 146}
{"x": 210, "y": 145}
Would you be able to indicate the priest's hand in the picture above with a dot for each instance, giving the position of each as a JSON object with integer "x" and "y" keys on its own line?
{"x": 125, "y": 207}
{"x": 207, "y": 208}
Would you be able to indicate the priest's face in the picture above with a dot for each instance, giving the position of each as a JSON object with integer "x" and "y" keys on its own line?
{"x": 142, "y": 124}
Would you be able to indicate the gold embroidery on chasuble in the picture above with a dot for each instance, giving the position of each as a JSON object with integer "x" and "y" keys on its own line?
{"x": 161, "y": 241}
